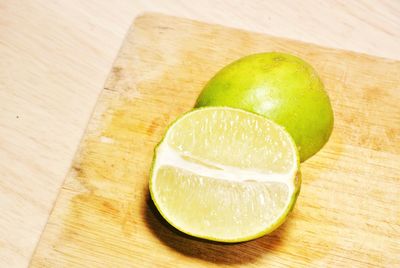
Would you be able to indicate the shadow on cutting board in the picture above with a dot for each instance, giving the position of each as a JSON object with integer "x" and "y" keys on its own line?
{"x": 215, "y": 252}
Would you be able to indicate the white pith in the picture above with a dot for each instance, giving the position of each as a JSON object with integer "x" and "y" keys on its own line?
{"x": 167, "y": 156}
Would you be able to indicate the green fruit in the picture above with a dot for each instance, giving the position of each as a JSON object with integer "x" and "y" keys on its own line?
{"x": 225, "y": 174}
{"x": 278, "y": 86}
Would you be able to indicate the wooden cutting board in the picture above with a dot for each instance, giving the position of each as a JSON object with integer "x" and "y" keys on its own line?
{"x": 348, "y": 212}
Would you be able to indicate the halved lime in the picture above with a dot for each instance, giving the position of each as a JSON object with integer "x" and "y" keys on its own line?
{"x": 225, "y": 174}
{"x": 281, "y": 87}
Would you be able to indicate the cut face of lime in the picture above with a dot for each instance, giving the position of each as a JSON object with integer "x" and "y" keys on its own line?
{"x": 225, "y": 174}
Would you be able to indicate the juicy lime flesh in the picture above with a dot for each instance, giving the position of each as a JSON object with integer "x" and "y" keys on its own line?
{"x": 220, "y": 208}
{"x": 224, "y": 174}
{"x": 233, "y": 139}
{"x": 280, "y": 87}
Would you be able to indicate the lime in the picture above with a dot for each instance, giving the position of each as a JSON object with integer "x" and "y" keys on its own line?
{"x": 278, "y": 86}
{"x": 225, "y": 174}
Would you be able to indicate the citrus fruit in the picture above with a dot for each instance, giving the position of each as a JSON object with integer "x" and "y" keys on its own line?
{"x": 281, "y": 87}
{"x": 225, "y": 174}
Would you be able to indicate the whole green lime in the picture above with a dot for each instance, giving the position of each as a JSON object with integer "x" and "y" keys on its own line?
{"x": 281, "y": 87}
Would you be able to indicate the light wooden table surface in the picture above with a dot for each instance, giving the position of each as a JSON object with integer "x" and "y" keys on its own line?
{"x": 55, "y": 57}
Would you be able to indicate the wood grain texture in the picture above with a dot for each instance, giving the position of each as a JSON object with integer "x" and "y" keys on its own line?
{"x": 55, "y": 56}
{"x": 348, "y": 210}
